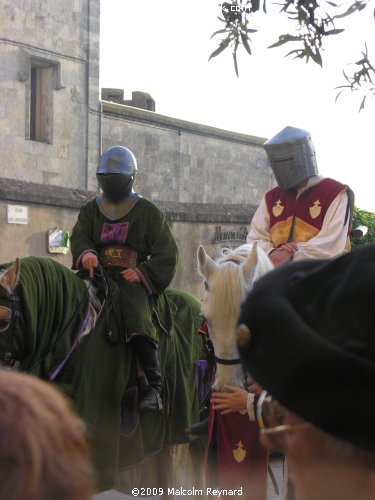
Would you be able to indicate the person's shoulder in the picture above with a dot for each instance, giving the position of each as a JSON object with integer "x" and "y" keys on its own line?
{"x": 90, "y": 205}
{"x": 328, "y": 180}
{"x": 273, "y": 191}
{"x": 330, "y": 183}
{"x": 149, "y": 205}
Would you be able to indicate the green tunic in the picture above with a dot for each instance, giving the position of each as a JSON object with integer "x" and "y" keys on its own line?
{"x": 145, "y": 229}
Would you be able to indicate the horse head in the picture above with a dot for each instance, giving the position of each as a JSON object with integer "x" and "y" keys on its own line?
{"x": 228, "y": 281}
{"x": 8, "y": 282}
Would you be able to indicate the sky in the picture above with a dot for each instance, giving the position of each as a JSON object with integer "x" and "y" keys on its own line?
{"x": 163, "y": 48}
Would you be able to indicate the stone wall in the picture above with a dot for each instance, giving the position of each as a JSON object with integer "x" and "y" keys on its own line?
{"x": 53, "y": 206}
{"x": 64, "y": 36}
{"x": 188, "y": 162}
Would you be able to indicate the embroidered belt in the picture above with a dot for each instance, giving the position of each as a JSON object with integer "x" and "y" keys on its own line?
{"x": 117, "y": 255}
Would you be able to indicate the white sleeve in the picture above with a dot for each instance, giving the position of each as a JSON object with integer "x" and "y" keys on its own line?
{"x": 332, "y": 238}
{"x": 250, "y": 406}
{"x": 260, "y": 228}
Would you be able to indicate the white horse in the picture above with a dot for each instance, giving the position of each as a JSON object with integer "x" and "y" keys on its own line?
{"x": 228, "y": 280}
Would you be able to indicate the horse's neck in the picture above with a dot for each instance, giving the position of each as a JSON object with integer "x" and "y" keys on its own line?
{"x": 49, "y": 288}
{"x": 228, "y": 375}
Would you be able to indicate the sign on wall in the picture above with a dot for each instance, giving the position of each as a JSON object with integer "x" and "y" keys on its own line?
{"x": 17, "y": 214}
{"x": 230, "y": 235}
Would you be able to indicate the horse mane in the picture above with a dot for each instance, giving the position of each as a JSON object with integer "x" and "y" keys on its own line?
{"x": 229, "y": 285}
{"x": 239, "y": 254}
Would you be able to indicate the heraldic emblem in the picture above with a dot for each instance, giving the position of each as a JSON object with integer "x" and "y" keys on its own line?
{"x": 316, "y": 209}
{"x": 239, "y": 453}
{"x": 277, "y": 209}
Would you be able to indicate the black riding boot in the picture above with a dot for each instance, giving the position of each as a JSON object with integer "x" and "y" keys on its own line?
{"x": 148, "y": 357}
{"x": 199, "y": 429}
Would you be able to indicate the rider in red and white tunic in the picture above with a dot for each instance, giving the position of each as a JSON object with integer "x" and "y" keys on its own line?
{"x": 306, "y": 216}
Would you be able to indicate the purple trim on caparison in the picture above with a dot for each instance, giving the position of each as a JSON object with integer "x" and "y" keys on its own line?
{"x": 77, "y": 339}
{"x": 144, "y": 281}
{"x": 203, "y": 385}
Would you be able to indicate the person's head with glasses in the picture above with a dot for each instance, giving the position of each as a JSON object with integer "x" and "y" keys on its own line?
{"x": 307, "y": 336}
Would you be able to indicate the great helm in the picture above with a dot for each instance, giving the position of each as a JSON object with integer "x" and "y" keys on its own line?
{"x": 292, "y": 157}
{"x": 116, "y": 173}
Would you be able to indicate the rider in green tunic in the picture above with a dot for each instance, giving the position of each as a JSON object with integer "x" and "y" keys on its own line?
{"x": 130, "y": 237}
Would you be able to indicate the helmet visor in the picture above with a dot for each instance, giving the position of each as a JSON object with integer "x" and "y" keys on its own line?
{"x": 116, "y": 186}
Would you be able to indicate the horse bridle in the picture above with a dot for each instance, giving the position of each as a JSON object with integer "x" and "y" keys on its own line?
{"x": 222, "y": 361}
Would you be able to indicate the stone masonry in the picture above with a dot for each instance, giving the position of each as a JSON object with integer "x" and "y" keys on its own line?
{"x": 208, "y": 181}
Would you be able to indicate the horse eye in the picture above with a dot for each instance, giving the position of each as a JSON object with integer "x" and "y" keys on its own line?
{"x": 4, "y": 324}
{"x": 206, "y": 285}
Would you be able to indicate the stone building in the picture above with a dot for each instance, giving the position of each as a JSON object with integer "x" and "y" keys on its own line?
{"x": 53, "y": 127}
{"x": 49, "y": 91}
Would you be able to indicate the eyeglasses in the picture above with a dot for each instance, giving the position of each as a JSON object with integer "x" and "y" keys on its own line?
{"x": 270, "y": 417}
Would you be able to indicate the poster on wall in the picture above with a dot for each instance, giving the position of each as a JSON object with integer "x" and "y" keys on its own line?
{"x": 58, "y": 240}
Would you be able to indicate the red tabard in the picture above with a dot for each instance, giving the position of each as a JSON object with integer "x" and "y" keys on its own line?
{"x": 308, "y": 210}
{"x": 241, "y": 461}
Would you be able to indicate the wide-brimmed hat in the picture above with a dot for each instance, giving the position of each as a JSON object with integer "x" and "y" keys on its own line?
{"x": 311, "y": 342}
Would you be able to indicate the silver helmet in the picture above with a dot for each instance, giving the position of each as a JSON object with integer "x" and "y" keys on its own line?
{"x": 292, "y": 157}
{"x": 115, "y": 174}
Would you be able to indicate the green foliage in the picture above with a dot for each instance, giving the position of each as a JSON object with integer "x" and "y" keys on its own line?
{"x": 363, "y": 77}
{"x": 363, "y": 218}
{"x": 313, "y": 22}
{"x": 236, "y": 30}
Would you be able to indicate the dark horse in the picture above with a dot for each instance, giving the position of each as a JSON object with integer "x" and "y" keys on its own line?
{"x": 45, "y": 326}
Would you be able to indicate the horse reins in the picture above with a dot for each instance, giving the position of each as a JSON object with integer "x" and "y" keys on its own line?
{"x": 60, "y": 335}
{"x": 8, "y": 359}
{"x": 107, "y": 294}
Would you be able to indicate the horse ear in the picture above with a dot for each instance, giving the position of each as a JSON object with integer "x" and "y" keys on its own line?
{"x": 9, "y": 279}
{"x": 250, "y": 263}
{"x": 206, "y": 265}
{"x": 257, "y": 264}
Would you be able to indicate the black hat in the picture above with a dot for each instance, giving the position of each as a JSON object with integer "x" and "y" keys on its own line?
{"x": 312, "y": 342}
